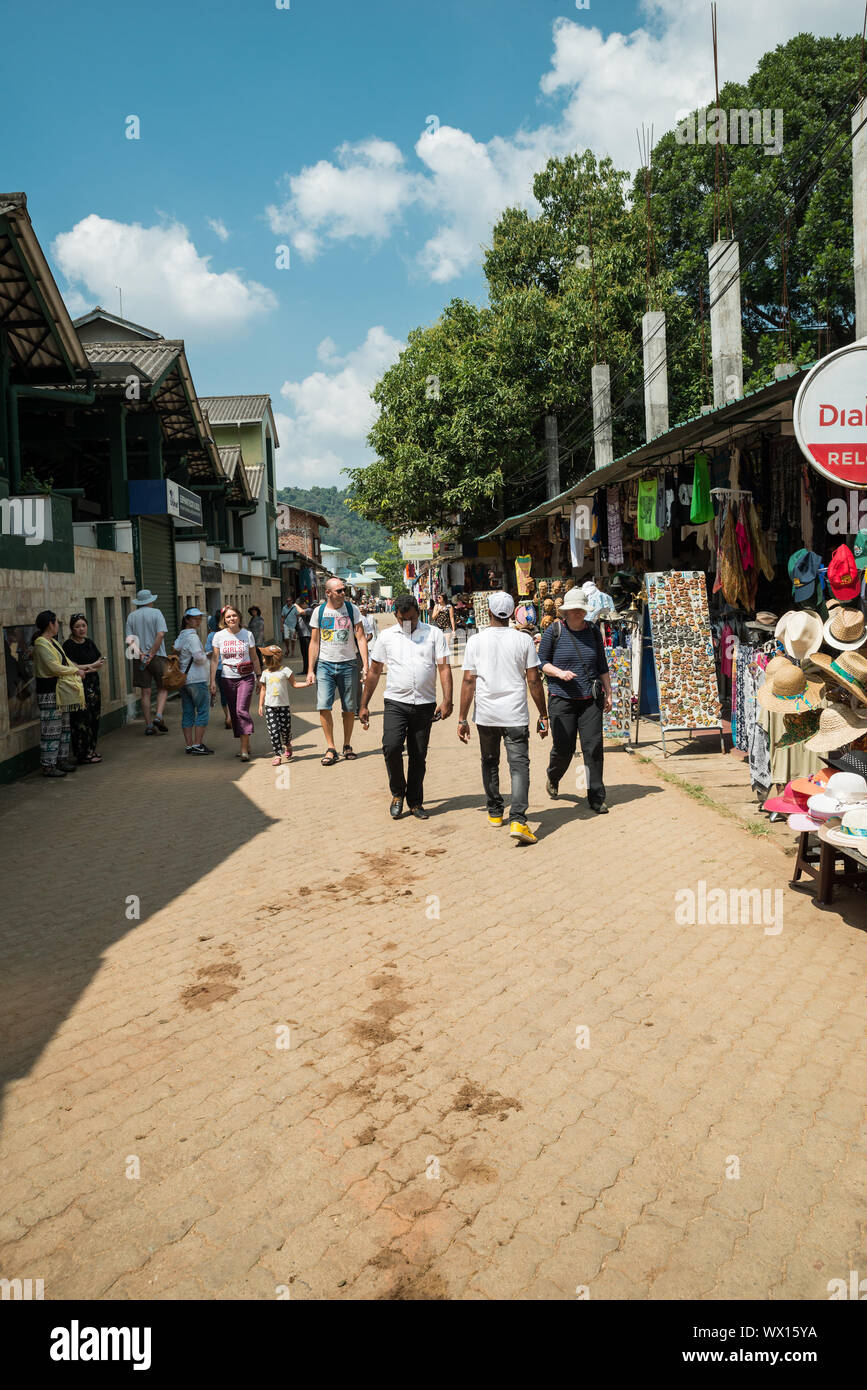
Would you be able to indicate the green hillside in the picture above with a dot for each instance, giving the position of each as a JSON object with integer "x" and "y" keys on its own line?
{"x": 345, "y": 528}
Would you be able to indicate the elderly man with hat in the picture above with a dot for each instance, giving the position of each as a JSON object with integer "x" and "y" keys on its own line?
{"x": 572, "y": 654}
{"x": 146, "y": 630}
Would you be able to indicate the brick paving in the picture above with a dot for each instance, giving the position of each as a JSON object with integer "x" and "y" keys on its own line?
{"x": 431, "y": 1130}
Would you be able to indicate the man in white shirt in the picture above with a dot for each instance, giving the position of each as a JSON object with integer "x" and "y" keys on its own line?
{"x": 146, "y": 630}
{"x": 413, "y": 652}
{"x": 499, "y": 663}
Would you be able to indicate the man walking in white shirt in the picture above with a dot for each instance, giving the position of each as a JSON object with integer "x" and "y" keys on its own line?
{"x": 413, "y": 652}
{"x": 499, "y": 663}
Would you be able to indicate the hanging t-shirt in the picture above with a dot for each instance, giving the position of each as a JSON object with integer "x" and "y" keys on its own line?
{"x": 337, "y": 636}
{"x": 682, "y": 496}
{"x": 615, "y": 534}
{"x": 702, "y": 502}
{"x": 647, "y": 528}
{"x": 234, "y": 648}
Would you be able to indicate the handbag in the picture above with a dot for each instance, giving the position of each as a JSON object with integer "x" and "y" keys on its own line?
{"x": 173, "y": 677}
{"x": 595, "y": 683}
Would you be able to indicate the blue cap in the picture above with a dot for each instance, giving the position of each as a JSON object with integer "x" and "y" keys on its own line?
{"x": 804, "y": 567}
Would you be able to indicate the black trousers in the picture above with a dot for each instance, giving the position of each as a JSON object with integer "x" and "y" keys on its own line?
{"x": 304, "y": 647}
{"x": 572, "y": 720}
{"x": 409, "y": 725}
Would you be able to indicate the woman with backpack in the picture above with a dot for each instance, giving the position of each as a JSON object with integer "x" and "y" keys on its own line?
{"x": 572, "y": 654}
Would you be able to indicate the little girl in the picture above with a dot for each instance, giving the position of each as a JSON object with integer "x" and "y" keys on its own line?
{"x": 274, "y": 702}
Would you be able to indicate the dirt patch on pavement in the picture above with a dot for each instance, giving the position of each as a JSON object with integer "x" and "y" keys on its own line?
{"x": 481, "y": 1102}
{"x": 214, "y": 984}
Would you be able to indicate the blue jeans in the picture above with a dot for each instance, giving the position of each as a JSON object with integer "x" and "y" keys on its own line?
{"x": 334, "y": 677}
{"x": 195, "y": 705}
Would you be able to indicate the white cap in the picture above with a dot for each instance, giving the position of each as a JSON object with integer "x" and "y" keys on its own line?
{"x": 501, "y": 604}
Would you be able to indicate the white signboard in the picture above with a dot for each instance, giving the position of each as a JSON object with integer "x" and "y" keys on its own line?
{"x": 830, "y": 416}
{"x": 417, "y": 545}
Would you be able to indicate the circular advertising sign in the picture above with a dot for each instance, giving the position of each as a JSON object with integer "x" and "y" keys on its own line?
{"x": 830, "y": 416}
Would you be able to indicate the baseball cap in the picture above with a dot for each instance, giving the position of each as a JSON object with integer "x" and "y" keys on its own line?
{"x": 804, "y": 568}
{"x": 501, "y": 604}
{"x": 860, "y": 550}
{"x": 193, "y": 613}
{"x": 843, "y": 577}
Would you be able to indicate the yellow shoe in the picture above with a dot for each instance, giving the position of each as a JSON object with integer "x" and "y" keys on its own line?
{"x": 495, "y": 820}
{"x": 519, "y": 830}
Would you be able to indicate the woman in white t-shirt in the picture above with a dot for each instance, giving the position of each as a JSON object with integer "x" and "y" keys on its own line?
{"x": 235, "y": 648}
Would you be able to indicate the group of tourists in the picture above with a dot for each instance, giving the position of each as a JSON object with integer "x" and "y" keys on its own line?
{"x": 345, "y": 656}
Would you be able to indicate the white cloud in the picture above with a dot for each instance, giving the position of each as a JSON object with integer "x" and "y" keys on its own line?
{"x": 601, "y": 88}
{"x": 332, "y": 412}
{"x": 218, "y": 226}
{"x": 166, "y": 283}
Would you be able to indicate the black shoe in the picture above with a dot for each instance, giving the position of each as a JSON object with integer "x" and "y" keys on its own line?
{"x": 53, "y": 772}
{"x": 205, "y": 749}
{"x": 551, "y": 789}
{"x": 599, "y": 807}
{"x": 396, "y": 808}
{"x": 161, "y": 725}
{"x": 419, "y": 812}
{"x": 68, "y": 766}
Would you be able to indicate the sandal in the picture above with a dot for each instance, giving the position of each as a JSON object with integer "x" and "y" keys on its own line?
{"x": 348, "y": 753}
{"x": 94, "y": 758}
{"x": 275, "y": 762}
{"x": 331, "y": 757}
{"x": 288, "y": 754}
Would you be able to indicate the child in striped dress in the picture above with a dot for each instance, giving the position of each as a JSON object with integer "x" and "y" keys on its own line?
{"x": 274, "y": 702}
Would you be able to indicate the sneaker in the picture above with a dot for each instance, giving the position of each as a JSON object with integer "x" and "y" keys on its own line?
{"x": 205, "y": 749}
{"x": 53, "y": 772}
{"x": 520, "y": 830}
{"x": 551, "y": 789}
{"x": 494, "y": 820}
{"x": 198, "y": 750}
{"x": 150, "y": 729}
{"x": 161, "y": 725}
{"x": 599, "y": 807}
{"x": 68, "y": 766}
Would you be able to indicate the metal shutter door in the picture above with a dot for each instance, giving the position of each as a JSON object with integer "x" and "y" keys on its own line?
{"x": 157, "y": 551}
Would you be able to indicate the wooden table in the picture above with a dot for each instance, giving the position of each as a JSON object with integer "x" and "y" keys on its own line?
{"x": 819, "y": 862}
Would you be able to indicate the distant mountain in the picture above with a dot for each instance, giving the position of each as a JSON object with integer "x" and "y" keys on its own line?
{"x": 346, "y": 529}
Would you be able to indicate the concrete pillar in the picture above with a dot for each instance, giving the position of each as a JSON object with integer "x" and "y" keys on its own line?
{"x": 725, "y": 322}
{"x": 655, "y": 374}
{"x": 603, "y": 434}
{"x": 859, "y": 216}
{"x": 552, "y": 452}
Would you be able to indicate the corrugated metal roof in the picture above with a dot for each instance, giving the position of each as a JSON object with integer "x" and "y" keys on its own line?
{"x": 230, "y": 410}
{"x": 40, "y": 332}
{"x": 255, "y": 473}
{"x": 231, "y": 457}
{"x": 99, "y": 313}
{"x": 154, "y": 359}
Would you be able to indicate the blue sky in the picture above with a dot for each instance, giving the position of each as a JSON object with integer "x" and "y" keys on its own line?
{"x": 309, "y": 128}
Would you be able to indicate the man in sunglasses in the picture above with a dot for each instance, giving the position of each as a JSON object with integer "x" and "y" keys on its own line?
{"x": 336, "y": 645}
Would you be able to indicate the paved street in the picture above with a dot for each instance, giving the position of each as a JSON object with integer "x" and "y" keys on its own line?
{"x": 336, "y": 1057}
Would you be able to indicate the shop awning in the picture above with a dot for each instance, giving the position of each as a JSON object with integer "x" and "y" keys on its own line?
{"x": 705, "y": 430}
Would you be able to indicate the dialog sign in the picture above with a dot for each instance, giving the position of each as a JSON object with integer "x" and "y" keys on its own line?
{"x": 830, "y": 416}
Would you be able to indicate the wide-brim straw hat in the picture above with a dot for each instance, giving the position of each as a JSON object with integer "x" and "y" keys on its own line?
{"x": 838, "y": 727}
{"x": 851, "y": 833}
{"x": 845, "y": 629}
{"x": 801, "y": 632}
{"x": 848, "y": 671}
{"x": 788, "y": 690}
{"x": 763, "y": 622}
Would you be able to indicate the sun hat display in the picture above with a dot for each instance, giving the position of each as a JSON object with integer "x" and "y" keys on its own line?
{"x": 838, "y": 727}
{"x": 859, "y": 550}
{"x": 763, "y": 622}
{"x": 144, "y": 596}
{"x": 790, "y": 690}
{"x": 846, "y": 629}
{"x": 851, "y": 832}
{"x": 501, "y": 604}
{"x": 801, "y": 633}
{"x": 574, "y": 599}
{"x": 848, "y": 671}
{"x": 804, "y": 568}
{"x": 843, "y": 791}
{"x": 816, "y": 782}
{"x": 843, "y": 576}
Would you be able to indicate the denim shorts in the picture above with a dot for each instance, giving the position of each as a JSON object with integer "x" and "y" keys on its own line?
{"x": 195, "y": 705}
{"x": 333, "y": 677}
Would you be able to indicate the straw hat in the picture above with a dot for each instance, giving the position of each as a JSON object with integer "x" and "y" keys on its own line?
{"x": 789, "y": 690}
{"x": 845, "y": 629}
{"x": 848, "y": 671}
{"x": 838, "y": 727}
{"x": 763, "y": 622}
{"x": 800, "y": 632}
